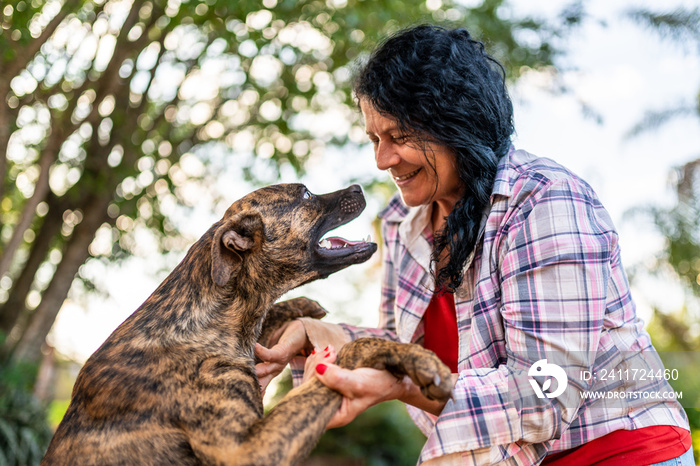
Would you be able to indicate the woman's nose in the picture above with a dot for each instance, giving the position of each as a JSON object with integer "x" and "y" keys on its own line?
{"x": 386, "y": 157}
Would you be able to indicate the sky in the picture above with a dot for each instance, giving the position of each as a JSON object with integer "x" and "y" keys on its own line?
{"x": 619, "y": 69}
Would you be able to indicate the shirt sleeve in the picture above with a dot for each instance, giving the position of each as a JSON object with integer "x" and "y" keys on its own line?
{"x": 553, "y": 268}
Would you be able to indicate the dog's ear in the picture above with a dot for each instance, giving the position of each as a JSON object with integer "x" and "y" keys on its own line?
{"x": 235, "y": 236}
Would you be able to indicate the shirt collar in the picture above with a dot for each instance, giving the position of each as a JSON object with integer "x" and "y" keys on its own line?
{"x": 501, "y": 184}
{"x": 411, "y": 233}
{"x": 395, "y": 211}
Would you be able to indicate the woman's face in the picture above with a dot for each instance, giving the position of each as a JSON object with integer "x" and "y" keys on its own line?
{"x": 424, "y": 172}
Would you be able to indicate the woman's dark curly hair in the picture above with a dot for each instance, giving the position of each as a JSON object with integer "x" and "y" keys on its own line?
{"x": 441, "y": 86}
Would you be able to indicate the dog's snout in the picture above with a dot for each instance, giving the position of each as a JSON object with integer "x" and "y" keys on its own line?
{"x": 350, "y": 205}
{"x": 347, "y": 202}
{"x": 353, "y": 201}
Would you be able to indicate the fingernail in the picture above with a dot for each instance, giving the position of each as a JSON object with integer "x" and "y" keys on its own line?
{"x": 314, "y": 351}
{"x": 325, "y": 349}
{"x": 321, "y": 368}
{"x": 327, "y": 355}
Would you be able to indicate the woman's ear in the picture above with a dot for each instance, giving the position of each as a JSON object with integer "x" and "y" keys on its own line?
{"x": 232, "y": 239}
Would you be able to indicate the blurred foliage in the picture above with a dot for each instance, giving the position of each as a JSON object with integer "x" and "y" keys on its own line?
{"x": 384, "y": 435}
{"x": 676, "y": 335}
{"x": 680, "y": 27}
{"x": 24, "y": 430}
{"x": 118, "y": 117}
{"x": 680, "y": 225}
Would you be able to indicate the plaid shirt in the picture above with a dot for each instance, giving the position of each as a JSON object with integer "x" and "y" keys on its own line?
{"x": 545, "y": 280}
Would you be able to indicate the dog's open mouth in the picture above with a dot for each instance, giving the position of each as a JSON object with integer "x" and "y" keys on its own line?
{"x": 335, "y": 242}
{"x": 337, "y": 246}
{"x": 334, "y": 253}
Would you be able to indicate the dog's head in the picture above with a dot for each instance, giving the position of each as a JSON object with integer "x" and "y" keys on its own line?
{"x": 275, "y": 234}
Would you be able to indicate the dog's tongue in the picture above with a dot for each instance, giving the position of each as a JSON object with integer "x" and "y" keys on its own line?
{"x": 335, "y": 242}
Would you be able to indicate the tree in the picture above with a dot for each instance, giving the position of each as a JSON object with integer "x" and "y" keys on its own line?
{"x": 682, "y": 27}
{"x": 675, "y": 333}
{"x": 111, "y": 109}
{"x": 679, "y": 224}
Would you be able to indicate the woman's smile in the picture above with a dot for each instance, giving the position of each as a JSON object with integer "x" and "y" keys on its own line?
{"x": 406, "y": 177}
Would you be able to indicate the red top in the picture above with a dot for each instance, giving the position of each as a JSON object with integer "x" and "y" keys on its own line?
{"x": 647, "y": 445}
{"x": 441, "y": 329}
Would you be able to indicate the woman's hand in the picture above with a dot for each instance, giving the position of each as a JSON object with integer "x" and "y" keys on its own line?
{"x": 364, "y": 387}
{"x": 361, "y": 388}
{"x": 291, "y": 342}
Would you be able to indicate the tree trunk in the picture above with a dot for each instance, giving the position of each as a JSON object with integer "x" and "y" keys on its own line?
{"x": 15, "y": 305}
{"x": 41, "y": 189}
{"x": 20, "y": 61}
{"x": 75, "y": 253}
{"x": 4, "y": 137}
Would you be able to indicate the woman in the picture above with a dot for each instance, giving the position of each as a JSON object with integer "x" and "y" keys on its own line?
{"x": 502, "y": 263}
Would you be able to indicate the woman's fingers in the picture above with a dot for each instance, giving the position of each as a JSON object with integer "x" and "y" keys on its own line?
{"x": 290, "y": 343}
{"x": 318, "y": 356}
{"x": 277, "y": 353}
{"x": 292, "y": 340}
{"x": 361, "y": 388}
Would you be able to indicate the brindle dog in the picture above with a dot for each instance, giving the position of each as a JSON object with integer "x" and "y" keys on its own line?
{"x": 176, "y": 382}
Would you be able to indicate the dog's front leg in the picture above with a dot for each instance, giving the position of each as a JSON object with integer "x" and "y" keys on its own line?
{"x": 225, "y": 404}
{"x": 226, "y": 425}
{"x": 291, "y": 430}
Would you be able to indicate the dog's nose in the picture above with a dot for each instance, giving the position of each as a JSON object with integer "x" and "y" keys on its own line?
{"x": 355, "y": 189}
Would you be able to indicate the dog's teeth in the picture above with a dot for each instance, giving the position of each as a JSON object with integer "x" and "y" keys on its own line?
{"x": 325, "y": 244}
{"x": 368, "y": 239}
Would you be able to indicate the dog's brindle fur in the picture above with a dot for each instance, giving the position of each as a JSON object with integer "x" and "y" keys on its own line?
{"x": 176, "y": 382}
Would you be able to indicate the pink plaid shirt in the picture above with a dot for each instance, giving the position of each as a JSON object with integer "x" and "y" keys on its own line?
{"x": 545, "y": 281}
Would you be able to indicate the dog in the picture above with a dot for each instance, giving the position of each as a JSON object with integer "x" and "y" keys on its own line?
{"x": 176, "y": 382}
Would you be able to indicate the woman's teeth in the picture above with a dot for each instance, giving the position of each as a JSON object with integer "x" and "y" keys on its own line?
{"x": 406, "y": 176}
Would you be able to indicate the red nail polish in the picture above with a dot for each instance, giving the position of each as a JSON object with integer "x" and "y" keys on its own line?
{"x": 327, "y": 355}
{"x": 325, "y": 349}
{"x": 314, "y": 351}
{"x": 321, "y": 368}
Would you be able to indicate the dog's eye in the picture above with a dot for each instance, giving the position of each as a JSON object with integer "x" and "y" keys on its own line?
{"x": 307, "y": 194}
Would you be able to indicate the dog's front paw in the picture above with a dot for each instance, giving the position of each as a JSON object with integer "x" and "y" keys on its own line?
{"x": 294, "y": 308}
{"x": 305, "y": 307}
{"x": 421, "y": 365}
{"x": 428, "y": 372}
{"x": 285, "y": 311}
